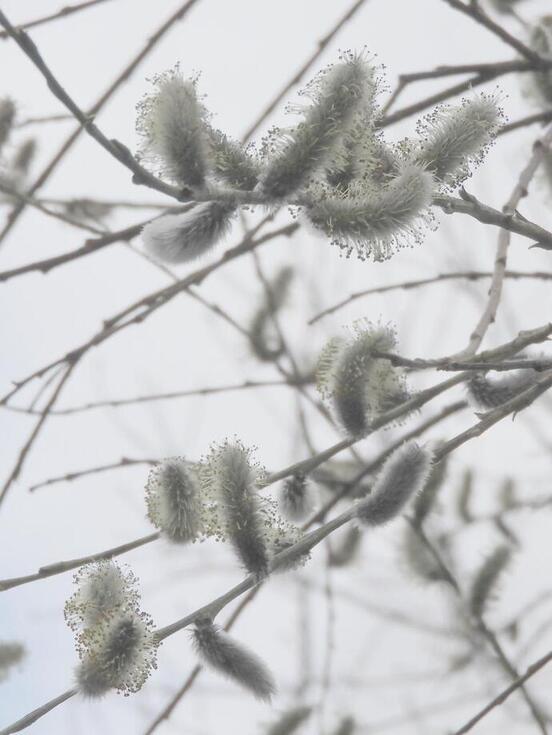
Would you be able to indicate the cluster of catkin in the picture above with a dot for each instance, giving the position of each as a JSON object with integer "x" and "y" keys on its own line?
{"x": 364, "y": 193}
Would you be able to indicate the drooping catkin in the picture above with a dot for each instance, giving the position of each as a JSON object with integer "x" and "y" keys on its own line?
{"x": 357, "y": 385}
{"x": 337, "y": 94}
{"x": 297, "y": 498}
{"x": 24, "y": 155}
{"x": 232, "y": 476}
{"x": 218, "y": 650}
{"x": 103, "y": 588}
{"x": 484, "y": 585}
{"x": 376, "y": 220}
{"x": 119, "y": 653}
{"x": 541, "y": 41}
{"x": 173, "y": 497}
{"x": 265, "y": 345}
{"x": 174, "y": 125}
{"x": 179, "y": 238}
{"x": 454, "y": 138}
{"x": 488, "y": 394}
{"x": 403, "y": 475}
{"x": 11, "y": 653}
{"x": 7, "y": 117}
{"x": 290, "y": 721}
{"x": 232, "y": 163}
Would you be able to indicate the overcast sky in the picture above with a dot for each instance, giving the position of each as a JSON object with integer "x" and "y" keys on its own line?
{"x": 246, "y": 51}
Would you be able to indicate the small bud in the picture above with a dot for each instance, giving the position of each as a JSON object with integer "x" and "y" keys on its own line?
{"x": 376, "y": 220}
{"x": 232, "y": 477}
{"x": 488, "y": 394}
{"x": 173, "y": 500}
{"x": 10, "y": 655}
{"x": 484, "y": 585}
{"x": 117, "y": 654}
{"x": 358, "y": 385}
{"x": 174, "y": 125}
{"x": 24, "y": 156}
{"x": 337, "y": 95}
{"x": 217, "y": 649}
{"x": 290, "y": 721}
{"x": 7, "y": 117}
{"x": 297, "y": 498}
{"x": 178, "y": 238}
{"x": 102, "y": 589}
{"x": 403, "y": 475}
{"x": 456, "y": 138}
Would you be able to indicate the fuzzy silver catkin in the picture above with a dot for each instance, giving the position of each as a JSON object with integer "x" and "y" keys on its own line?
{"x": 541, "y": 42}
{"x": 173, "y": 498}
{"x": 296, "y": 498}
{"x": 7, "y": 117}
{"x": 174, "y": 125}
{"x": 290, "y": 721}
{"x": 11, "y": 653}
{"x": 484, "y": 585}
{"x": 455, "y": 138}
{"x": 118, "y": 654}
{"x": 103, "y": 588}
{"x": 337, "y": 95}
{"x": 488, "y": 394}
{"x": 358, "y": 385}
{"x": 179, "y": 238}
{"x": 403, "y": 475}
{"x": 230, "y": 473}
{"x": 218, "y": 650}
{"x": 232, "y": 163}
{"x": 374, "y": 220}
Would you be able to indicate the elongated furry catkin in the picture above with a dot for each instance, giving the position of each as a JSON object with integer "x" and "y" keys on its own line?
{"x": 376, "y": 220}
{"x": 118, "y": 654}
{"x": 7, "y": 117}
{"x": 484, "y": 585}
{"x": 456, "y": 138}
{"x": 173, "y": 497}
{"x": 489, "y": 393}
{"x": 11, "y": 653}
{"x": 337, "y": 95}
{"x": 174, "y": 125}
{"x": 232, "y": 476}
{"x": 217, "y": 649}
{"x": 179, "y": 238}
{"x": 103, "y": 588}
{"x": 357, "y": 384}
{"x": 402, "y": 476}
